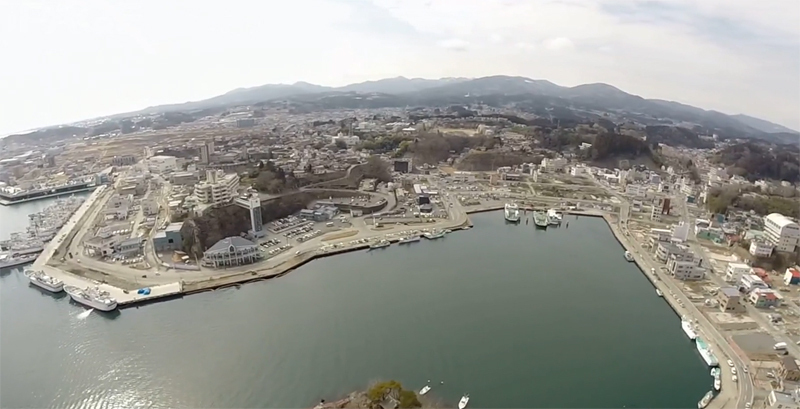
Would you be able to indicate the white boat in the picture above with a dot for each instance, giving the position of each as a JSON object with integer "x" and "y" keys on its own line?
{"x": 628, "y": 256}
{"x": 463, "y": 402}
{"x": 717, "y": 374}
{"x": 554, "y": 217}
{"x": 424, "y": 390}
{"x": 434, "y": 235}
{"x": 688, "y": 329}
{"x": 381, "y": 244}
{"x": 660, "y": 294}
{"x": 511, "y": 212}
{"x": 409, "y": 239}
{"x": 706, "y": 400}
{"x": 92, "y": 297}
{"x": 42, "y": 280}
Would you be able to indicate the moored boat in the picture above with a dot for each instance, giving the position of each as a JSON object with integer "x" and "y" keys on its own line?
{"x": 511, "y": 212}
{"x": 409, "y": 239}
{"x": 659, "y": 293}
{"x": 629, "y": 256}
{"x": 44, "y": 281}
{"x": 554, "y": 217}
{"x": 706, "y": 400}
{"x": 424, "y": 390}
{"x": 434, "y": 235}
{"x": 717, "y": 373}
{"x": 688, "y": 329}
{"x": 92, "y": 297}
{"x": 381, "y": 244}
{"x": 705, "y": 352}
{"x": 540, "y": 219}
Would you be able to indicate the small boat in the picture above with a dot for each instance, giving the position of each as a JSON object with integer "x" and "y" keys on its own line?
{"x": 434, "y": 235}
{"x": 463, "y": 402}
{"x": 706, "y": 400}
{"x": 660, "y": 294}
{"x": 540, "y": 219}
{"x": 424, "y": 390}
{"x": 42, "y": 280}
{"x": 381, "y": 244}
{"x": 554, "y": 217}
{"x": 409, "y": 239}
{"x": 511, "y": 212}
{"x": 628, "y": 256}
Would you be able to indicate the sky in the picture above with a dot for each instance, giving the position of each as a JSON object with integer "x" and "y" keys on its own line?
{"x": 64, "y": 61}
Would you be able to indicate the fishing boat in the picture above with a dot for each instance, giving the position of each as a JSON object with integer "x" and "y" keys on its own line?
{"x": 44, "y": 281}
{"x": 434, "y": 235}
{"x": 554, "y": 217}
{"x": 381, "y": 244}
{"x": 511, "y": 212}
{"x": 717, "y": 374}
{"x": 92, "y": 297}
{"x": 463, "y": 402}
{"x": 629, "y": 256}
{"x": 706, "y": 400}
{"x": 424, "y": 390}
{"x": 409, "y": 239}
{"x": 540, "y": 219}
{"x": 660, "y": 294}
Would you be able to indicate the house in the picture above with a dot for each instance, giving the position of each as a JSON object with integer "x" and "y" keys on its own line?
{"x": 761, "y": 248}
{"x": 231, "y": 251}
{"x": 730, "y": 300}
{"x": 169, "y": 239}
{"x": 789, "y": 371}
{"x": 792, "y": 276}
{"x": 735, "y": 271}
{"x": 764, "y": 298}
{"x": 783, "y": 400}
{"x": 750, "y": 282}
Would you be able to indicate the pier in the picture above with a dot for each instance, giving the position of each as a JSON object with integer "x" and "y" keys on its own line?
{"x": 9, "y": 199}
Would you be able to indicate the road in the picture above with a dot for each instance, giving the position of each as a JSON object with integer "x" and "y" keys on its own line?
{"x": 717, "y": 341}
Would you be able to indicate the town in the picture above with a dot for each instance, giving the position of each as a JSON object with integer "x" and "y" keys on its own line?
{"x": 184, "y": 203}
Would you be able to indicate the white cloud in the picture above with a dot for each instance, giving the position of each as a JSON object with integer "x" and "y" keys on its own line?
{"x": 454, "y": 44}
{"x": 558, "y": 43}
{"x": 74, "y": 60}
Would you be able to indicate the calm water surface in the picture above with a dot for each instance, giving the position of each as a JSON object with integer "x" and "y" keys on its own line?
{"x": 515, "y": 316}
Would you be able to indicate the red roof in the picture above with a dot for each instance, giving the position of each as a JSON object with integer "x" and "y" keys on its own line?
{"x": 795, "y": 272}
{"x": 759, "y": 271}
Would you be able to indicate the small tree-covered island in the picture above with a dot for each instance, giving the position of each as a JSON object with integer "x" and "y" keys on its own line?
{"x": 382, "y": 395}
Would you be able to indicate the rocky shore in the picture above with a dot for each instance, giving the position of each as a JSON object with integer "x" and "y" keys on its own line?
{"x": 382, "y": 395}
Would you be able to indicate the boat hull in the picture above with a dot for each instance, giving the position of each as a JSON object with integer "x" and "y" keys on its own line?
{"x": 93, "y": 304}
{"x": 706, "y": 353}
{"x": 688, "y": 330}
{"x": 52, "y": 288}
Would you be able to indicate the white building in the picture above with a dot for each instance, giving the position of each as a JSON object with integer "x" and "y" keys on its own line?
{"x": 655, "y": 214}
{"x": 684, "y": 269}
{"x": 231, "y": 251}
{"x": 349, "y": 140}
{"x": 162, "y": 164}
{"x": 577, "y": 170}
{"x": 761, "y": 248}
{"x": 552, "y": 165}
{"x": 751, "y": 281}
{"x": 463, "y": 177}
{"x": 218, "y": 188}
{"x": 680, "y": 232}
{"x": 736, "y": 271}
{"x": 636, "y": 190}
{"x": 782, "y": 232}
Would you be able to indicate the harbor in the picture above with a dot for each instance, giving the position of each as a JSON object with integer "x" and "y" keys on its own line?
{"x": 321, "y": 318}
{"x": 11, "y": 196}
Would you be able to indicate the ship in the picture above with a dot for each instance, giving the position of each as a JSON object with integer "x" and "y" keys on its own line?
{"x": 92, "y": 297}
{"x": 706, "y": 400}
{"x": 659, "y": 293}
{"x": 629, "y": 256}
{"x": 540, "y": 219}
{"x": 434, "y": 235}
{"x": 10, "y": 260}
{"x": 511, "y": 213}
{"x": 381, "y": 244}
{"x": 688, "y": 329}
{"x": 705, "y": 352}
{"x": 409, "y": 239}
{"x": 716, "y": 373}
{"x": 554, "y": 217}
{"x": 42, "y": 280}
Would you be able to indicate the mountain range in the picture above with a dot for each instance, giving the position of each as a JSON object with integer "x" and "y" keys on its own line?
{"x": 540, "y": 97}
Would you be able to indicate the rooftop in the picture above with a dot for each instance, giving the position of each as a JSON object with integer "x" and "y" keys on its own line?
{"x": 729, "y": 291}
{"x": 225, "y": 244}
{"x": 781, "y": 220}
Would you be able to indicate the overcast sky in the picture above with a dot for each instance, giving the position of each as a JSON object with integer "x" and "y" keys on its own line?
{"x": 64, "y": 61}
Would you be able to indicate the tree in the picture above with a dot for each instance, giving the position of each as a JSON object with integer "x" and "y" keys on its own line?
{"x": 340, "y": 144}
{"x": 392, "y": 389}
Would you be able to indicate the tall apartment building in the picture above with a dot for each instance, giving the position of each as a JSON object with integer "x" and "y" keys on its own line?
{"x": 781, "y": 232}
{"x": 218, "y": 188}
